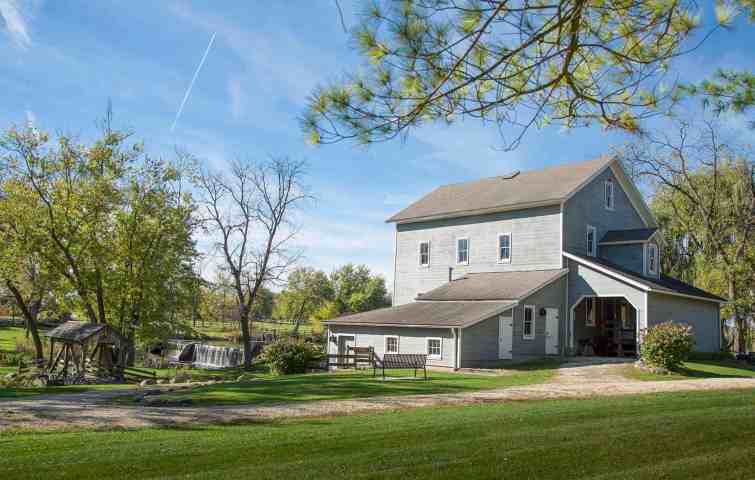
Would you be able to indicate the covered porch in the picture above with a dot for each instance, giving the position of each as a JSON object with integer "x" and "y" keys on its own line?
{"x": 605, "y": 326}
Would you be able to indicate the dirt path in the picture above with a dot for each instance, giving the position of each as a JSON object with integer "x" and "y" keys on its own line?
{"x": 94, "y": 410}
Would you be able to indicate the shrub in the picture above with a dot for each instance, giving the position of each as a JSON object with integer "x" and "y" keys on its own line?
{"x": 288, "y": 356}
{"x": 667, "y": 345}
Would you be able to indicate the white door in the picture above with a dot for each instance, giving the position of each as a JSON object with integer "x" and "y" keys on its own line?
{"x": 505, "y": 334}
{"x": 551, "y": 331}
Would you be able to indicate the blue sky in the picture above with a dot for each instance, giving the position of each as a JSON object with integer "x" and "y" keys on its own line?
{"x": 62, "y": 60}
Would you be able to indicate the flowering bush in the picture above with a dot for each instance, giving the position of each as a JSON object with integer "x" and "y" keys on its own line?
{"x": 666, "y": 345}
{"x": 291, "y": 356}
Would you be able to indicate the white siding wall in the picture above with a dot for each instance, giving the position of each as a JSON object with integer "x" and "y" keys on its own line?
{"x": 535, "y": 246}
{"x": 411, "y": 340}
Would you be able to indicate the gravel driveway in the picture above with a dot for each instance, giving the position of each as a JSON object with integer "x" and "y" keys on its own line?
{"x": 583, "y": 379}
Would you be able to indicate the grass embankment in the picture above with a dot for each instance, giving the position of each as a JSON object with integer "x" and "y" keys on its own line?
{"x": 694, "y": 435}
{"x": 358, "y": 384}
{"x": 695, "y": 370}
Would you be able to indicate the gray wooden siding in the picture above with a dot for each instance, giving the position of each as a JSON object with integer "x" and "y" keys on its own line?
{"x": 702, "y": 316}
{"x": 411, "y": 340}
{"x": 480, "y": 341}
{"x": 585, "y": 281}
{"x": 629, "y": 256}
{"x": 535, "y": 246}
{"x": 587, "y": 207}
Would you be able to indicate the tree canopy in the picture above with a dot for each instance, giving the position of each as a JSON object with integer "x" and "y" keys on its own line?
{"x": 518, "y": 64}
{"x": 105, "y": 227}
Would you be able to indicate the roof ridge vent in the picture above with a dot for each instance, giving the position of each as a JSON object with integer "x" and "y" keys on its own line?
{"x": 509, "y": 176}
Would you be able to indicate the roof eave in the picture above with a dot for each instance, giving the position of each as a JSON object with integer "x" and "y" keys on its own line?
{"x": 480, "y": 211}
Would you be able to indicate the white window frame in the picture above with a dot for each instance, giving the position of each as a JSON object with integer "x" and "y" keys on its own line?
{"x": 590, "y": 314}
{"x": 609, "y": 194}
{"x": 531, "y": 336}
{"x": 466, "y": 262}
{"x": 500, "y": 258}
{"x": 424, "y": 242}
{"x": 440, "y": 347}
{"x": 385, "y": 344}
{"x": 648, "y": 248}
{"x": 594, "y": 251}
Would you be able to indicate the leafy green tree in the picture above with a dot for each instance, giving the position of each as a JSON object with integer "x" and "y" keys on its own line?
{"x": 111, "y": 224}
{"x": 306, "y": 291}
{"x": 518, "y": 64}
{"x": 357, "y": 290}
{"x": 705, "y": 201}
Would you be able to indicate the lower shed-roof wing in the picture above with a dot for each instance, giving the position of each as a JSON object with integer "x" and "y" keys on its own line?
{"x": 494, "y": 285}
{"x": 427, "y": 314}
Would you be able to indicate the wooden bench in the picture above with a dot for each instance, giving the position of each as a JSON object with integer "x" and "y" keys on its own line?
{"x": 401, "y": 361}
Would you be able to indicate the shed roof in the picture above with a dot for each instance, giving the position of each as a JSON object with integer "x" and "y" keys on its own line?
{"x": 79, "y": 332}
{"x": 426, "y": 314}
{"x": 628, "y": 236}
{"x": 493, "y": 285}
{"x": 544, "y": 186}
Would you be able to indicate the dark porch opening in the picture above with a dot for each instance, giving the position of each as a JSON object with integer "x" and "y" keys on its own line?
{"x": 605, "y": 326}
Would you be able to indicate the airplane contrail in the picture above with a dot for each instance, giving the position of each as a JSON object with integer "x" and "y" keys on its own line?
{"x": 191, "y": 84}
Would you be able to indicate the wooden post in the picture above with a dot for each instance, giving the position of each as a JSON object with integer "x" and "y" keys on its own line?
{"x": 52, "y": 348}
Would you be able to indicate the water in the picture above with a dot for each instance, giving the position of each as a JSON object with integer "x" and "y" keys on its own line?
{"x": 212, "y": 356}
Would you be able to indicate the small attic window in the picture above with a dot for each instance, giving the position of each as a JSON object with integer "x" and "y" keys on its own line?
{"x": 609, "y": 197}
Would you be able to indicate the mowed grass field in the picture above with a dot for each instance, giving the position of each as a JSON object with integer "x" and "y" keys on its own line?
{"x": 693, "y": 435}
{"x": 359, "y": 384}
{"x": 696, "y": 369}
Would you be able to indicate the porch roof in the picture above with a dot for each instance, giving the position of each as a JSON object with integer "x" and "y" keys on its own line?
{"x": 427, "y": 314}
{"x": 664, "y": 284}
{"x": 493, "y": 285}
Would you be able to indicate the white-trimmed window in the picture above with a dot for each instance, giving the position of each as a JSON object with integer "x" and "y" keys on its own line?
{"x": 528, "y": 327}
{"x": 424, "y": 254}
{"x": 504, "y": 248}
{"x": 651, "y": 250}
{"x": 590, "y": 241}
{"x": 434, "y": 348}
{"x": 609, "y": 194}
{"x": 391, "y": 344}
{"x": 462, "y": 250}
{"x": 589, "y": 312}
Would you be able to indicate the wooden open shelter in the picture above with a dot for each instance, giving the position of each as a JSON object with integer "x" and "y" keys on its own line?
{"x": 96, "y": 349}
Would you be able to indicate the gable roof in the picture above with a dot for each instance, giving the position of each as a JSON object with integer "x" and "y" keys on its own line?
{"x": 664, "y": 284}
{"x": 546, "y": 186}
{"x": 635, "y": 235}
{"x": 426, "y": 314}
{"x": 493, "y": 286}
{"x": 80, "y": 332}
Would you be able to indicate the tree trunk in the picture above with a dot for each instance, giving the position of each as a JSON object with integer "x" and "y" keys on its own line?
{"x": 30, "y": 315}
{"x": 244, "y": 321}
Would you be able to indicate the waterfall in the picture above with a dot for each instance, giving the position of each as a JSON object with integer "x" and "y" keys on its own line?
{"x": 212, "y": 356}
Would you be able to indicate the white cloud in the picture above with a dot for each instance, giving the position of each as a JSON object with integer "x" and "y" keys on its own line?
{"x": 16, "y": 23}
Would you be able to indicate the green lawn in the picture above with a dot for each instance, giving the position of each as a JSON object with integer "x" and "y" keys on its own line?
{"x": 695, "y": 369}
{"x": 357, "y": 384}
{"x": 694, "y": 435}
{"x": 9, "y": 336}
